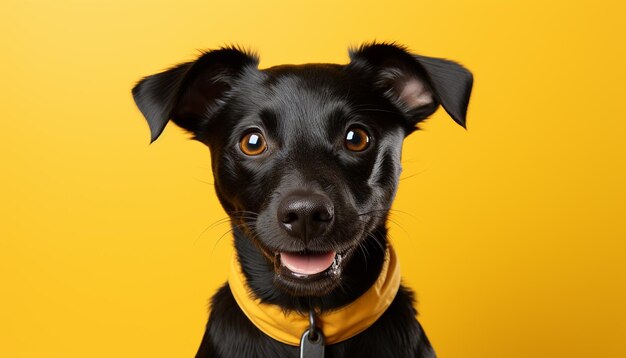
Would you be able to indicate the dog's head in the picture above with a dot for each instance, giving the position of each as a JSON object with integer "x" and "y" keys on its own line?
{"x": 306, "y": 158}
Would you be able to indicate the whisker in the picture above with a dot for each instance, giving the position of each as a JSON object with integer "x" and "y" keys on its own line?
{"x": 214, "y": 224}
{"x": 220, "y": 239}
{"x": 205, "y": 182}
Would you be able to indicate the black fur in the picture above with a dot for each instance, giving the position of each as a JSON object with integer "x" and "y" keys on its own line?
{"x": 304, "y": 113}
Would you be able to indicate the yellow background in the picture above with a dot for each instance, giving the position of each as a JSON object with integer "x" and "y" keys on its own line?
{"x": 512, "y": 233}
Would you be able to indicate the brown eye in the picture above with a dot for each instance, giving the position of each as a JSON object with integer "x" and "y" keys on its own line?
{"x": 253, "y": 143}
{"x": 357, "y": 139}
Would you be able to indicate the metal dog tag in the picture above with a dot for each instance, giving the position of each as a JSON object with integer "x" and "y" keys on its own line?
{"x": 312, "y": 348}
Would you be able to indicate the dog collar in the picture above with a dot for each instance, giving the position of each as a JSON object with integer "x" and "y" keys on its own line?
{"x": 337, "y": 325}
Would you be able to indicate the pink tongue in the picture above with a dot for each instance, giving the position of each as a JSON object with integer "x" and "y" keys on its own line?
{"x": 308, "y": 264}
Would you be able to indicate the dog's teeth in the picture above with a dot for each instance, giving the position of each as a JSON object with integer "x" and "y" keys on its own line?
{"x": 335, "y": 268}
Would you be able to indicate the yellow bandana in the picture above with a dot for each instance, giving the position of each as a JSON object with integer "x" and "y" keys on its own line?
{"x": 338, "y": 325}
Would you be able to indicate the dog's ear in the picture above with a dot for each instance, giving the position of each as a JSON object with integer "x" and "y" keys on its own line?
{"x": 190, "y": 93}
{"x": 415, "y": 84}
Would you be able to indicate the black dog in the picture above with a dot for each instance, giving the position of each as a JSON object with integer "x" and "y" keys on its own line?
{"x": 306, "y": 161}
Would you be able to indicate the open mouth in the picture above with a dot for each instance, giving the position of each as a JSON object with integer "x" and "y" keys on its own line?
{"x": 310, "y": 273}
{"x": 308, "y": 265}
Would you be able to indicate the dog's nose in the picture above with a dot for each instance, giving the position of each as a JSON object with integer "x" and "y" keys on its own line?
{"x": 305, "y": 215}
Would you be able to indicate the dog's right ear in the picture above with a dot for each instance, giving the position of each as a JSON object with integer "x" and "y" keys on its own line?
{"x": 192, "y": 92}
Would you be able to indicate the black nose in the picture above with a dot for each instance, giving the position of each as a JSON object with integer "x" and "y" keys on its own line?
{"x": 305, "y": 215}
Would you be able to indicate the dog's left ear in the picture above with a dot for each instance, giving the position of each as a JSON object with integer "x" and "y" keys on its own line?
{"x": 415, "y": 84}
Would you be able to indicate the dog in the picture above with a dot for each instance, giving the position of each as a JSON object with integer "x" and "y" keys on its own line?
{"x": 306, "y": 162}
